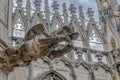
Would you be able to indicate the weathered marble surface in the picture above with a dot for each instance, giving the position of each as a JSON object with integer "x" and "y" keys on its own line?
{"x": 30, "y": 50}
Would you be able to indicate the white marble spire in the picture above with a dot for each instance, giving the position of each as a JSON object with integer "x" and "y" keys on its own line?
{"x": 37, "y": 5}
{"x": 65, "y": 13}
{"x": 81, "y": 16}
{"x": 73, "y": 11}
{"x": 90, "y": 13}
{"x": 19, "y": 3}
{"x": 28, "y": 10}
{"x": 55, "y": 7}
{"x": 47, "y": 11}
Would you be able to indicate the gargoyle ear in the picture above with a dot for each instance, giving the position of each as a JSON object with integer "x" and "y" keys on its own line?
{"x": 74, "y": 35}
{"x": 67, "y": 29}
{"x": 35, "y": 30}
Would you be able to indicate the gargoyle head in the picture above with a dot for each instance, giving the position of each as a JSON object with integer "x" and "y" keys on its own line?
{"x": 71, "y": 33}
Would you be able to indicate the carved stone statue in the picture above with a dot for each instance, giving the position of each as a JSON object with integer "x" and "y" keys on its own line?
{"x": 31, "y": 50}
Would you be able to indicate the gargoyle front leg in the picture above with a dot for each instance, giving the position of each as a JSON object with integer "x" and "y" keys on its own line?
{"x": 47, "y": 45}
{"x": 59, "y": 53}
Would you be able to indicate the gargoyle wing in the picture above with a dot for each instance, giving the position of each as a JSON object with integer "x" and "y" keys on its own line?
{"x": 35, "y": 30}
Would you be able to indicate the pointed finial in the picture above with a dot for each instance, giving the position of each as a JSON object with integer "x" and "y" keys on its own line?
{"x": 46, "y": 3}
{"x": 37, "y": 5}
{"x": 73, "y": 10}
{"x": 81, "y": 16}
{"x": 81, "y": 12}
{"x": 55, "y": 7}
{"x": 64, "y": 7}
{"x": 19, "y": 3}
{"x": 99, "y": 56}
{"x": 47, "y": 11}
{"x": 46, "y": 7}
{"x": 65, "y": 14}
{"x": 28, "y": 10}
{"x": 28, "y": 4}
{"x": 90, "y": 13}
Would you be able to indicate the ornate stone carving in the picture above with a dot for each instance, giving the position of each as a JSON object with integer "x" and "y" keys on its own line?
{"x": 50, "y": 75}
{"x": 31, "y": 50}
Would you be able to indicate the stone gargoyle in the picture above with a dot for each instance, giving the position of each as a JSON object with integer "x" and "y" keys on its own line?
{"x": 22, "y": 55}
